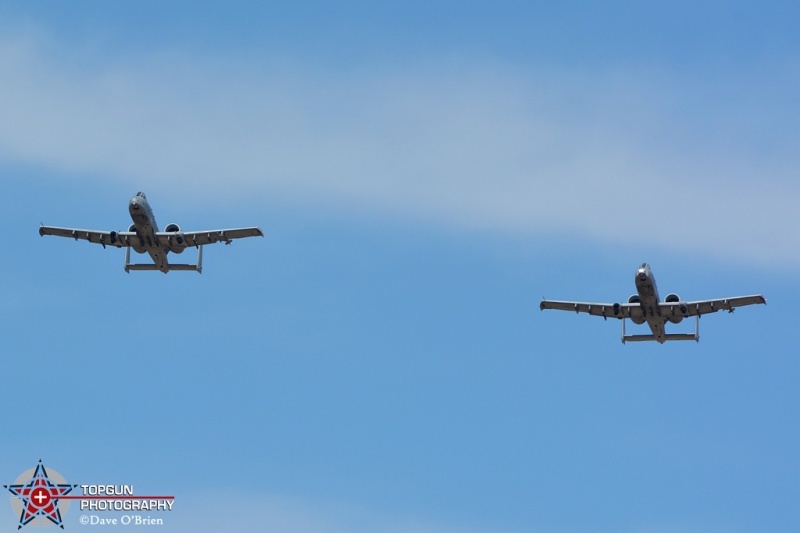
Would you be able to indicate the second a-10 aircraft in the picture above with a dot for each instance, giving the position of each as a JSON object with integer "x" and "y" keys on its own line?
{"x": 143, "y": 236}
{"x": 645, "y": 306}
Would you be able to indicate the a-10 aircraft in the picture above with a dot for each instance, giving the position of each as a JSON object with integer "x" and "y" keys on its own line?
{"x": 143, "y": 236}
{"x": 644, "y": 306}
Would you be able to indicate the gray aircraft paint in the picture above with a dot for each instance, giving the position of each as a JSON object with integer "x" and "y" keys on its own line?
{"x": 144, "y": 236}
{"x": 645, "y": 306}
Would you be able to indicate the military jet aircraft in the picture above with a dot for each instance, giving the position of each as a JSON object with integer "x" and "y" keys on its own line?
{"x": 143, "y": 236}
{"x": 644, "y": 306}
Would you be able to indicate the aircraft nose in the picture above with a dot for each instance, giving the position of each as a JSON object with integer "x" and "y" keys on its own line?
{"x": 134, "y": 204}
{"x": 642, "y": 275}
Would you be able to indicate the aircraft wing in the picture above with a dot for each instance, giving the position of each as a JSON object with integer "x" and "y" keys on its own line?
{"x": 200, "y": 238}
{"x": 703, "y": 307}
{"x": 604, "y": 310}
{"x": 106, "y": 238}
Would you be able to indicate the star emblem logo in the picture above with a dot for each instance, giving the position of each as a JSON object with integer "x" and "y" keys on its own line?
{"x": 38, "y": 494}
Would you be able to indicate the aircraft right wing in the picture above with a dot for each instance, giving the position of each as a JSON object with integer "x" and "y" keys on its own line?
{"x": 106, "y": 238}
{"x": 604, "y": 310}
{"x": 703, "y": 307}
{"x": 200, "y": 238}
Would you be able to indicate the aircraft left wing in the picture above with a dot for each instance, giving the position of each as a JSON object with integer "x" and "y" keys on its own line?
{"x": 200, "y": 238}
{"x": 704, "y": 307}
{"x": 604, "y": 310}
{"x": 105, "y": 238}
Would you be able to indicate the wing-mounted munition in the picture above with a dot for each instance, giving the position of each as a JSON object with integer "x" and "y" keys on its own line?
{"x": 143, "y": 236}
{"x": 645, "y": 306}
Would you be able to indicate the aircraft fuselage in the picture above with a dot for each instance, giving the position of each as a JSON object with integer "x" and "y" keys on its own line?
{"x": 648, "y": 299}
{"x": 145, "y": 227}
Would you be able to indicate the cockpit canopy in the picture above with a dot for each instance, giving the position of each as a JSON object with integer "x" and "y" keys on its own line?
{"x": 141, "y": 194}
{"x": 644, "y": 265}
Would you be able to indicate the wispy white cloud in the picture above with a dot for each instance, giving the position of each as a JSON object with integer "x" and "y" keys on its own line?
{"x": 229, "y": 511}
{"x": 631, "y": 157}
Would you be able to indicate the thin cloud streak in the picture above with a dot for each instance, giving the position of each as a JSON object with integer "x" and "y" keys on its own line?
{"x": 231, "y": 511}
{"x": 618, "y": 157}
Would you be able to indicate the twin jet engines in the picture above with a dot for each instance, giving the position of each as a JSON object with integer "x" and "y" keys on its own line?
{"x": 176, "y": 241}
{"x": 675, "y": 318}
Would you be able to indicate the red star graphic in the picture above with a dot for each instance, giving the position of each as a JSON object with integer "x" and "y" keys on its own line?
{"x": 40, "y": 497}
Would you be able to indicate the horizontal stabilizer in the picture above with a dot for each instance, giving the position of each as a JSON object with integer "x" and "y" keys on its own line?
{"x": 667, "y": 337}
{"x": 173, "y": 266}
{"x": 149, "y": 266}
{"x": 145, "y": 266}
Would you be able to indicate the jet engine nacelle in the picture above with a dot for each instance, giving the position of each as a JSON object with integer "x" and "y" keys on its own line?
{"x": 635, "y": 317}
{"x": 136, "y": 246}
{"x": 682, "y": 309}
{"x": 177, "y": 242}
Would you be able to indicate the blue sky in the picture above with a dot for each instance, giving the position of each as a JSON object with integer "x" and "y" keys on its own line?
{"x": 424, "y": 174}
